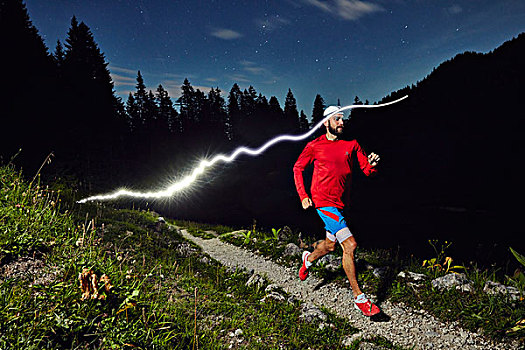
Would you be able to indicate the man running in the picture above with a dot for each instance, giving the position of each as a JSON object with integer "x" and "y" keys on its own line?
{"x": 333, "y": 160}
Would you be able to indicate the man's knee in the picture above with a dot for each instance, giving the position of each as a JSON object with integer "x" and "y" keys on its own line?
{"x": 330, "y": 245}
{"x": 349, "y": 245}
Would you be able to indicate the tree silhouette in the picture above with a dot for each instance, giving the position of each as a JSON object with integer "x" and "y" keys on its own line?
{"x": 317, "y": 113}
{"x": 133, "y": 113}
{"x": 89, "y": 90}
{"x": 188, "y": 109}
{"x": 303, "y": 122}
{"x": 275, "y": 113}
{"x": 167, "y": 117}
{"x": 217, "y": 116}
{"x": 29, "y": 71}
{"x": 234, "y": 112}
{"x": 140, "y": 99}
{"x": 59, "y": 54}
{"x": 291, "y": 115}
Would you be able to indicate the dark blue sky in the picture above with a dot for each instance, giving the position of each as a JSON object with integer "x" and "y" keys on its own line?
{"x": 338, "y": 48}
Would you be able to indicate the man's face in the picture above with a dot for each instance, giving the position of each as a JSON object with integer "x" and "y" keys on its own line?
{"x": 335, "y": 124}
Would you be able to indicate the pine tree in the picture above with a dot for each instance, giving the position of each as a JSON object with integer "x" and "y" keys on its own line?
{"x": 234, "y": 112}
{"x": 217, "y": 114}
{"x": 187, "y": 106}
{"x": 248, "y": 101}
{"x": 28, "y": 71}
{"x": 59, "y": 54}
{"x": 199, "y": 108}
{"x": 88, "y": 78}
{"x": 318, "y": 110}
{"x": 84, "y": 64}
{"x": 275, "y": 113}
{"x": 167, "y": 115}
{"x": 291, "y": 116}
{"x": 140, "y": 97}
{"x": 303, "y": 122}
{"x": 262, "y": 103}
{"x": 151, "y": 116}
{"x": 262, "y": 127}
{"x": 26, "y": 47}
{"x": 133, "y": 113}
{"x": 90, "y": 95}
{"x": 357, "y": 101}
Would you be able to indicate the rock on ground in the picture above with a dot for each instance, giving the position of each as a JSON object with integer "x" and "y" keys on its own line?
{"x": 453, "y": 280}
{"x": 330, "y": 262}
{"x": 412, "y": 276}
{"x": 311, "y": 313}
{"x": 256, "y": 280}
{"x": 494, "y": 288}
{"x": 292, "y": 249}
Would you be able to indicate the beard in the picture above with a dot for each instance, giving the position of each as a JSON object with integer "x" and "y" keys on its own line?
{"x": 337, "y": 131}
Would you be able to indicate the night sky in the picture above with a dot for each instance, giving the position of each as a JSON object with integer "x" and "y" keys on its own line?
{"x": 337, "y": 48}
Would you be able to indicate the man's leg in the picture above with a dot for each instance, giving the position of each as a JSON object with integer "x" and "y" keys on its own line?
{"x": 320, "y": 250}
{"x": 334, "y": 223}
{"x": 323, "y": 248}
{"x": 349, "y": 245}
{"x": 361, "y": 302}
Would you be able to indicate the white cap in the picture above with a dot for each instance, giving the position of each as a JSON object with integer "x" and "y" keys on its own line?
{"x": 330, "y": 110}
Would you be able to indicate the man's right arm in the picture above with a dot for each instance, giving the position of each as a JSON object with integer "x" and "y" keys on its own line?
{"x": 305, "y": 158}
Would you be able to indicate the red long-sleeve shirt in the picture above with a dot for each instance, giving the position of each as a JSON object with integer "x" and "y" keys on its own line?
{"x": 333, "y": 162}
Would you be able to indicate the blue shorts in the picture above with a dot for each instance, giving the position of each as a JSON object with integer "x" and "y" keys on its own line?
{"x": 335, "y": 224}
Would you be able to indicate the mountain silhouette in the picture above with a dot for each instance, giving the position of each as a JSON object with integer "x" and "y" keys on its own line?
{"x": 451, "y": 152}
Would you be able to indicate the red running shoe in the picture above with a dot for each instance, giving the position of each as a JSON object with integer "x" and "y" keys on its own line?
{"x": 303, "y": 271}
{"x": 367, "y": 308}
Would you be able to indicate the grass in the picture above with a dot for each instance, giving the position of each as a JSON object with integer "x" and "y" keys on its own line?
{"x": 493, "y": 316}
{"x": 155, "y": 289}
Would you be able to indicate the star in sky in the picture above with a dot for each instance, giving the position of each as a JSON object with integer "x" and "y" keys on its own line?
{"x": 337, "y": 48}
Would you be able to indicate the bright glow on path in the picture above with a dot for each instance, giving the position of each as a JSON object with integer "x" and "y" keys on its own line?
{"x": 204, "y": 164}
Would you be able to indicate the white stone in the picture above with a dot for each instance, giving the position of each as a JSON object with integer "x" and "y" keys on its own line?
{"x": 453, "y": 280}
{"x": 494, "y": 288}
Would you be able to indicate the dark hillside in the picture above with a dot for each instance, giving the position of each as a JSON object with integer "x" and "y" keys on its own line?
{"x": 452, "y": 151}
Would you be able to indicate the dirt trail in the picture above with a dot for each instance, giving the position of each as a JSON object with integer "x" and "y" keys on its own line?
{"x": 406, "y": 327}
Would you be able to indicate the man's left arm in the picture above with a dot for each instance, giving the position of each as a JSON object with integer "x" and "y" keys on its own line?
{"x": 368, "y": 164}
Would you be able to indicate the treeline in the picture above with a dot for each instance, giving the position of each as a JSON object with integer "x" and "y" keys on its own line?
{"x": 62, "y": 102}
{"x": 209, "y": 120}
{"x": 65, "y": 102}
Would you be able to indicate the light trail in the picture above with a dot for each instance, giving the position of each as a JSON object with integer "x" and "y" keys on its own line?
{"x": 204, "y": 164}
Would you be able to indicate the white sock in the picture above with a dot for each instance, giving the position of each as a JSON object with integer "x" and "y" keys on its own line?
{"x": 361, "y": 298}
{"x": 306, "y": 262}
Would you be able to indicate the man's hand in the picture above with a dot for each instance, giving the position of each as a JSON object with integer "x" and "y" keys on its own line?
{"x": 373, "y": 159}
{"x": 307, "y": 203}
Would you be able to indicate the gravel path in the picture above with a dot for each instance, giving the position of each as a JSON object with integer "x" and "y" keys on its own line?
{"x": 406, "y": 327}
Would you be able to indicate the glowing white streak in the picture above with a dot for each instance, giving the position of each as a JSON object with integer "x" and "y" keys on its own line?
{"x": 189, "y": 179}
